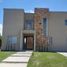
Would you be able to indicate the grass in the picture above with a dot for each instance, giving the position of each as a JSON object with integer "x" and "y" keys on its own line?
{"x": 47, "y": 59}
{"x": 5, "y": 54}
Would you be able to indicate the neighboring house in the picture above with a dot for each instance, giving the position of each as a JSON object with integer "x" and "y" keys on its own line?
{"x": 42, "y": 30}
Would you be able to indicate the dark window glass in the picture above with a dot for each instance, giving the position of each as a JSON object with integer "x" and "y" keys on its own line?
{"x": 12, "y": 40}
{"x": 44, "y": 25}
{"x": 28, "y": 24}
{"x": 66, "y": 22}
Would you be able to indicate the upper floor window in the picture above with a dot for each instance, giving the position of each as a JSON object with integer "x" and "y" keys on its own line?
{"x": 28, "y": 25}
{"x": 66, "y": 22}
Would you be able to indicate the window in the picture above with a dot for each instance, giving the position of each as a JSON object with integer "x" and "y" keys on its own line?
{"x": 66, "y": 22}
{"x": 12, "y": 40}
{"x": 28, "y": 24}
{"x": 45, "y": 26}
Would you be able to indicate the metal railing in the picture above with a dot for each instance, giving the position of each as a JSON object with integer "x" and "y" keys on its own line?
{"x": 10, "y": 47}
{"x": 45, "y": 46}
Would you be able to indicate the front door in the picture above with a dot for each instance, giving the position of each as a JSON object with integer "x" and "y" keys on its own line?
{"x": 28, "y": 42}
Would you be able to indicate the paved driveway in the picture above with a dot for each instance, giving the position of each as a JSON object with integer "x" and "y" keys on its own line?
{"x": 20, "y": 59}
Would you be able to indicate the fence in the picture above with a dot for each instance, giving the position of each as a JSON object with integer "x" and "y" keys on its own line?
{"x": 45, "y": 46}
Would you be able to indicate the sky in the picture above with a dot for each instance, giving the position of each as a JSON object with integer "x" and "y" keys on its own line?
{"x": 29, "y": 5}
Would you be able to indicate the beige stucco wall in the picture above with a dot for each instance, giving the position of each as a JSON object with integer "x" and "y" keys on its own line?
{"x": 12, "y": 25}
{"x": 58, "y": 31}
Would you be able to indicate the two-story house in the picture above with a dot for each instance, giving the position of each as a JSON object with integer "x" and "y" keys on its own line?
{"x": 42, "y": 30}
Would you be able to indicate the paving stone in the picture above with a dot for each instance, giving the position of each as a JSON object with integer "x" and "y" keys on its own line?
{"x": 25, "y": 52}
{"x": 13, "y": 64}
{"x": 17, "y": 59}
{"x": 21, "y": 55}
{"x": 63, "y": 53}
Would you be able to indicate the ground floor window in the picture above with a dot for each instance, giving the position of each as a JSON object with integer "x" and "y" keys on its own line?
{"x": 12, "y": 40}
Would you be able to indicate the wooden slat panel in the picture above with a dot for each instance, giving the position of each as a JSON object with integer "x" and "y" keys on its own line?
{"x": 29, "y": 42}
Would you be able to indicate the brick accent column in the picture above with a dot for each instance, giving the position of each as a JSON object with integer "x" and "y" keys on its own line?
{"x": 40, "y": 13}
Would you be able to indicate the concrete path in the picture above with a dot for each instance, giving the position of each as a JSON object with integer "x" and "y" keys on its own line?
{"x": 63, "y": 53}
{"x": 20, "y": 59}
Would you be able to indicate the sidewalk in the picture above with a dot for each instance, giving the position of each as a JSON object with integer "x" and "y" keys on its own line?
{"x": 63, "y": 53}
{"x": 20, "y": 59}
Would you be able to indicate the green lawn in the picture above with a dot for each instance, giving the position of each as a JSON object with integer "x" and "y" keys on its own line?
{"x": 47, "y": 59}
{"x": 5, "y": 54}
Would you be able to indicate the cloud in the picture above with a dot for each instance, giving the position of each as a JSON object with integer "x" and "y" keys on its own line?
{"x": 1, "y": 27}
{"x": 30, "y": 11}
